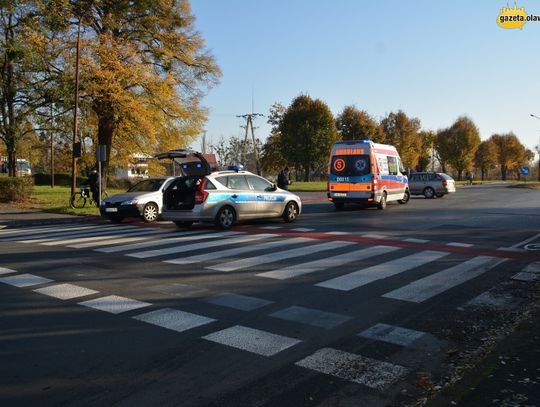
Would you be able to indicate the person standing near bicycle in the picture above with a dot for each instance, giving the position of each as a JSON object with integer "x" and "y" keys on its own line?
{"x": 93, "y": 181}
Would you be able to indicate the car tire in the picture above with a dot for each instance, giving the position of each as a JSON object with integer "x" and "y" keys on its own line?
{"x": 291, "y": 212}
{"x": 150, "y": 212}
{"x": 183, "y": 224}
{"x": 406, "y": 197}
{"x": 116, "y": 219}
{"x": 382, "y": 203}
{"x": 225, "y": 217}
{"x": 339, "y": 206}
{"x": 429, "y": 193}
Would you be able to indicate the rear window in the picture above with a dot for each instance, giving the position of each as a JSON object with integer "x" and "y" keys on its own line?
{"x": 350, "y": 165}
{"x": 208, "y": 185}
{"x": 446, "y": 177}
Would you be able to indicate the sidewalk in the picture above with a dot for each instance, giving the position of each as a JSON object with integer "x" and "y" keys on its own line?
{"x": 16, "y": 217}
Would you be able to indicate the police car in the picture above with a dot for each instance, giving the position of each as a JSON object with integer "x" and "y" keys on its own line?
{"x": 223, "y": 197}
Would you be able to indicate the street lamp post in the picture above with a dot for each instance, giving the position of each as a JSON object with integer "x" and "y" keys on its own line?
{"x": 538, "y": 146}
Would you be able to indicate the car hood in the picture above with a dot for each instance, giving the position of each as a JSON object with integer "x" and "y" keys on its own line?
{"x": 141, "y": 196}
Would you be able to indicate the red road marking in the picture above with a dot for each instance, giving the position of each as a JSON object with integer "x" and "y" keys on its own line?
{"x": 474, "y": 251}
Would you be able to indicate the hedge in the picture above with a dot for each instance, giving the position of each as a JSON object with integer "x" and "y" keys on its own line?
{"x": 61, "y": 178}
{"x": 64, "y": 179}
{"x": 14, "y": 189}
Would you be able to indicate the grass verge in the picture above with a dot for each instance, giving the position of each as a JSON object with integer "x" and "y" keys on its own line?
{"x": 56, "y": 200}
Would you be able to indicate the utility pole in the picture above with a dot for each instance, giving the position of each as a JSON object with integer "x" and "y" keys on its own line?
{"x": 249, "y": 124}
{"x": 538, "y": 146}
{"x": 204, "y": 143}
{"x": 76, "y": 144}
{"x": 52, "y": 148}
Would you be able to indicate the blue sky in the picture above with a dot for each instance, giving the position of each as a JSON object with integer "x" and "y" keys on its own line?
{"x": 434, "y": 60}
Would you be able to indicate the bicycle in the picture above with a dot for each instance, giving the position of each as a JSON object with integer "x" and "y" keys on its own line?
{"x": 78, "y": 199}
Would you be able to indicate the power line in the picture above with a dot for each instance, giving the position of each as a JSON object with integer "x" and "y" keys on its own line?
{"x": 249, "y": 124}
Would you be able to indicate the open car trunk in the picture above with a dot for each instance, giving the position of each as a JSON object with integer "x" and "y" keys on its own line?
{"x": 191, "y": 167}
{"x": 180, "y": 194}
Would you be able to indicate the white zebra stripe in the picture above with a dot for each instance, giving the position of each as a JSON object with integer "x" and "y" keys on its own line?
{"x": 388, "y": 269}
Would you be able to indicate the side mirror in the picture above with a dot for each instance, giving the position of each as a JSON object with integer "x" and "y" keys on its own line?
{"x": 272, "y": 188}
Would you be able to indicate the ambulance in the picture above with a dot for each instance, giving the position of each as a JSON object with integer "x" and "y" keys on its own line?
{"x": 368, "y": 173}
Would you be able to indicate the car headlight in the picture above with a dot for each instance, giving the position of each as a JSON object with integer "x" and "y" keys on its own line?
{"x": 130, "y": 202}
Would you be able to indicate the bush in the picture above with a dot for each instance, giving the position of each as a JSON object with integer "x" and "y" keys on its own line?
{"x": 60, "y": 179}
{"x": 122, "y": 183}
{"x": 13, "y": 189}
{"x": 64, "y": 179}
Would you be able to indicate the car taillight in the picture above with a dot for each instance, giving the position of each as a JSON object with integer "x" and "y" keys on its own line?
{"x": 374, "y": 181}
{"x": 200, "y": 193}
{"x": 444, "y": 183}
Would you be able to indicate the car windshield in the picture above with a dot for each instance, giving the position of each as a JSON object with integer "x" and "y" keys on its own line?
{"x": 148, "y": 185}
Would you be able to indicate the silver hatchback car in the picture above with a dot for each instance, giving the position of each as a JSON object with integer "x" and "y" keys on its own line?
{"x": 431, "y": 184}
{"x": 144, "y": 200}
{"x": 224, "y": 197}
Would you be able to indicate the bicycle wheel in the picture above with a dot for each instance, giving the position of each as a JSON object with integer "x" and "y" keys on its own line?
{"x": 77, "y": 200}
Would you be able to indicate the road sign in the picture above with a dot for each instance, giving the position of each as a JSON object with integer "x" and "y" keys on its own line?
{"x": 101, "y": 153}
{"x": 524, "y": 170}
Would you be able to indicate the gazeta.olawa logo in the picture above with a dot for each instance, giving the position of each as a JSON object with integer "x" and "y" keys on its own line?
{"x": 515, "y": 17}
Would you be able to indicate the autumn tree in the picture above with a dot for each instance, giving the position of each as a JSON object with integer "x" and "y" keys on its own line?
{"x": 510, "y": 152}
{"x": 307, "y": 132}
{"x": 402, "y": 132}
{"x": 485, "y": 157}
{"x": 427, "y": 138}
{"x": 458, "y": 143}
{"x": 144, "y": 69}
{"x": 526, "y": 160}
{"x": 354, "y": 124}
{"x": 23, "y": 57}
{"x": 272, "y": 158}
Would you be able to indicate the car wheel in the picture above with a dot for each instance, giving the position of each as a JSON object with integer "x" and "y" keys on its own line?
{"x": 382, "y": 203}
{"x": 116, "y": 219}
{"x": 150, "y": 212}
{"x": 291, "y": 212}
{"x": 406, "y": 197}
{"x": 339, "y": 206}
{"x": 184, "y": 224}
{"x": 225, "y": 217}
{"x": 429, "y": 193}
{"x": 440, "y": 195}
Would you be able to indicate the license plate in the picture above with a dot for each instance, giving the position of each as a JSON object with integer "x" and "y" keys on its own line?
{"x": 340, "y": 194}
{"x": 111, "y": 209}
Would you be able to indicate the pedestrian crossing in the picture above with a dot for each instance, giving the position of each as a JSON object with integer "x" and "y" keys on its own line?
{"x": 310, "y": 259}
{"x": 262, "y": 254}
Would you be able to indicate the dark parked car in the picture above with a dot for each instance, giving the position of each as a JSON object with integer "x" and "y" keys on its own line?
{"x": 431, "y": 184}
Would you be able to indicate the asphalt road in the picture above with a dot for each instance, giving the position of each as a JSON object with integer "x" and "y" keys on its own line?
{"x": 353, "y": 308}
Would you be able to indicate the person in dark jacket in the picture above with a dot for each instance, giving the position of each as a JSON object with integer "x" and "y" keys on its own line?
{"x": 93, "y": 182}
{"x": 283, "y": 180}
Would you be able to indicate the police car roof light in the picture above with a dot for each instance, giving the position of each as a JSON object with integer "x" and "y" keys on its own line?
{"x": 236, "y": 168}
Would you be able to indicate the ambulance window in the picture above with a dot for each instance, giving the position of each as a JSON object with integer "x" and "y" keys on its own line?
{"x": 401, "y": 167}
{"x": 383, "y": 164}
{"x": 360, "y": 164}
{"x": 392, "y": 165}
{"x": 350, "y": 165}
